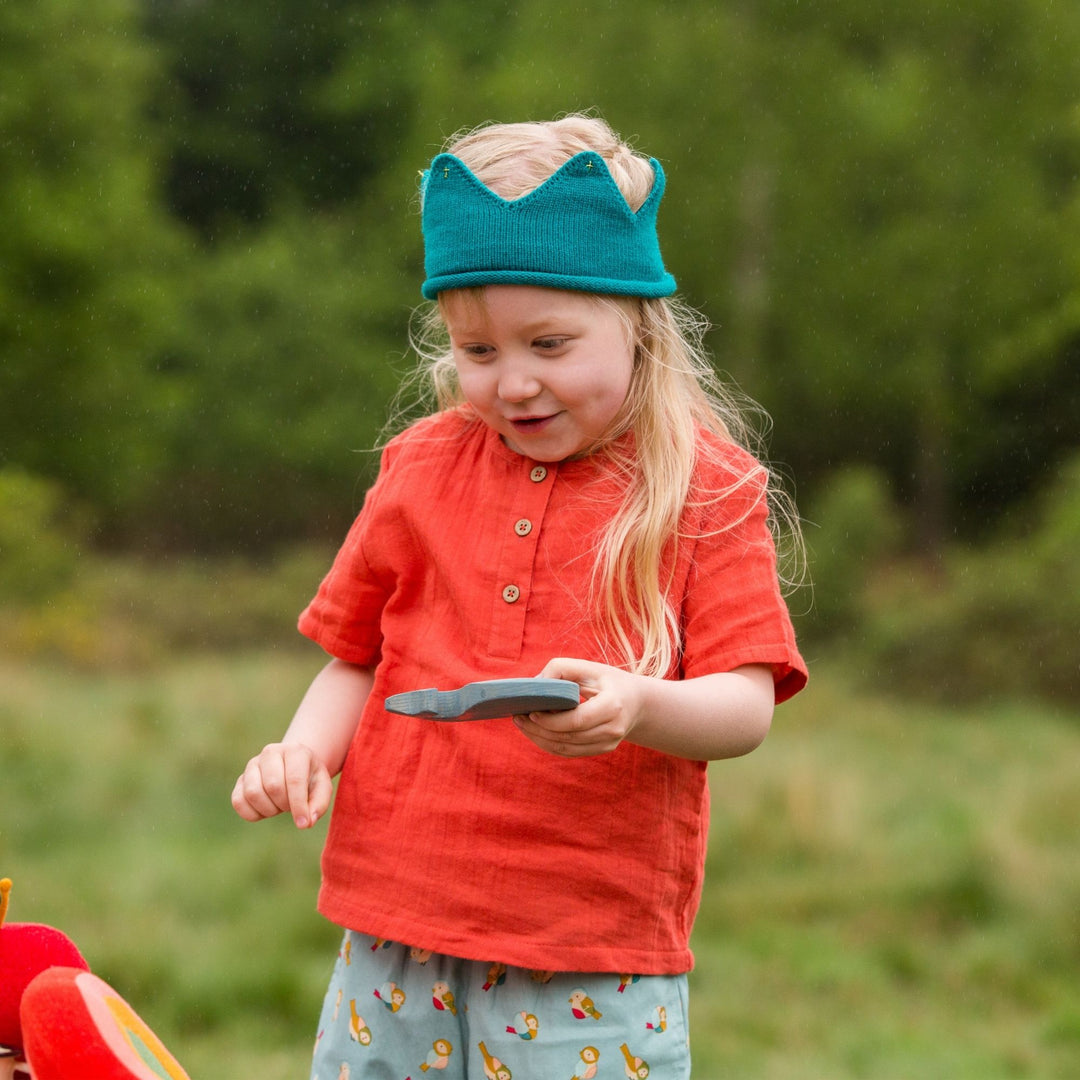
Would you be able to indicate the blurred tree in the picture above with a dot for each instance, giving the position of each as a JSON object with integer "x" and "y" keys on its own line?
{"x": 875, "y": 204}
{"x": 82, "y": 249}
{"x": 279, "y": 368}
{"x": 907, "y": 187}
{"x": 291, "y": 104}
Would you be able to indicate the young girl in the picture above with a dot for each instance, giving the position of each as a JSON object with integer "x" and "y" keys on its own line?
{"x": 518, "y": 894}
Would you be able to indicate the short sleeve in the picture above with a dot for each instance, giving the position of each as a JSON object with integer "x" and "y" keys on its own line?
{"x": 734, "y": 612}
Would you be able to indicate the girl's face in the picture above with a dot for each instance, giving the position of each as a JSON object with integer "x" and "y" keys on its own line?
{"x": 548, "y": 370}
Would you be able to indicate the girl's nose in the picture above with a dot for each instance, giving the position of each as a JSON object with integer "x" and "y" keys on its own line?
{"x": 517, "y": 381}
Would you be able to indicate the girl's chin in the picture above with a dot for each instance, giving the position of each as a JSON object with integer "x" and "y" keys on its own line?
{"x": 547, "y": 452}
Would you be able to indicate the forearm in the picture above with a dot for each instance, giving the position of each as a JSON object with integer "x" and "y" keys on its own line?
{"x": 326, "y": 718}
{"x": 713, "y": 716}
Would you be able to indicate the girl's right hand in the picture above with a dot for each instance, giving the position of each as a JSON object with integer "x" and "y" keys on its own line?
{"x": 283, "y": 778}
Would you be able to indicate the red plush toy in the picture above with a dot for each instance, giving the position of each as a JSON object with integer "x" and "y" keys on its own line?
{"x": 60, "y": 1022}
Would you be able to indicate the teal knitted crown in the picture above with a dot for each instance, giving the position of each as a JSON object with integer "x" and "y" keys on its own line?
{"x": 575, "y": 231}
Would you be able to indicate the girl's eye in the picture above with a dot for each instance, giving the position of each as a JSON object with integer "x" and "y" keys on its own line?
{"x": 549, "y": 343}
{"x": 476, "y": 352}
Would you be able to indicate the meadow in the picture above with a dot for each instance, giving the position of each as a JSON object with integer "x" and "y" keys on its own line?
{"x": 893, "y": 889}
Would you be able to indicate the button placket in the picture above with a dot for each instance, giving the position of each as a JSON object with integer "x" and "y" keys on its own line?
{"x": 526, "y": 502}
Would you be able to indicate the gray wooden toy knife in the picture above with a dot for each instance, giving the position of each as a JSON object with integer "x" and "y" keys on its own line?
{"x": 488, "y": 700}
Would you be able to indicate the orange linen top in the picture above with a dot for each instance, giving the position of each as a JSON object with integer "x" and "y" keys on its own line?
{"x": 471, "y": 562}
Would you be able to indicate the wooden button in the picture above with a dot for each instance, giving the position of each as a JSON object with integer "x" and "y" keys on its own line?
{"x": 539, "y": 473}
{"x": 511, "y": 594}
{"x": 523, "y": 527}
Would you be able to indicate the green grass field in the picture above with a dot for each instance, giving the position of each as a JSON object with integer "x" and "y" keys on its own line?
{"x": 893, "y": 890}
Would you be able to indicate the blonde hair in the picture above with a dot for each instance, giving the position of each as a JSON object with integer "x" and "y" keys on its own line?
{"x": 674, "y": 393}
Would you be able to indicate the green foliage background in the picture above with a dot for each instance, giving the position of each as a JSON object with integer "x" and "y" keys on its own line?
{"x": 209, "y": 257}
{"x": 211, "y": 253}
{"x": 212, "y": 248}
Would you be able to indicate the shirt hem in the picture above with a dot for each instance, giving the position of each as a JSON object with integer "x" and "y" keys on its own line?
{"x": 528, "y": 954}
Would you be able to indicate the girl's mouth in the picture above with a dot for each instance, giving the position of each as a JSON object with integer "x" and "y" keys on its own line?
{"x": 528, "y": 425}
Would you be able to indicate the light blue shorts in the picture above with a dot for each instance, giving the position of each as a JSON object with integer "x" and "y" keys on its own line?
{"x": 395, "y": 1013}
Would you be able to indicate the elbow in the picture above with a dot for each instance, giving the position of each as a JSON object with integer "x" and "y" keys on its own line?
{"x": 759, "y": 727}
{"x": 742, "y": 736}
{"x": 758, "y": 705}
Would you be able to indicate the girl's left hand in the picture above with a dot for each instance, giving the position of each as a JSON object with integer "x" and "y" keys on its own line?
{"x": 611, "y": 702}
